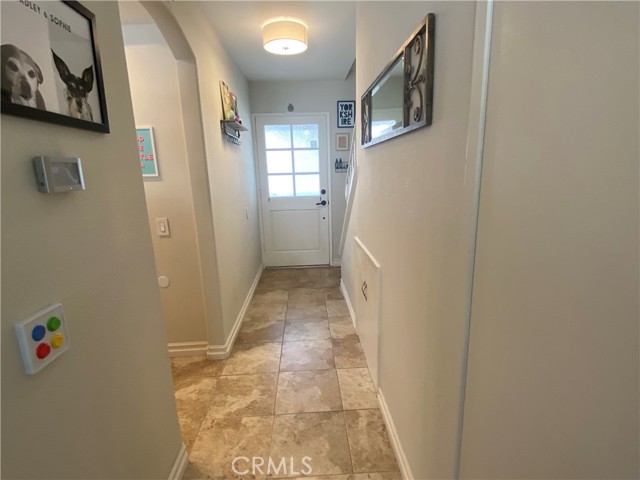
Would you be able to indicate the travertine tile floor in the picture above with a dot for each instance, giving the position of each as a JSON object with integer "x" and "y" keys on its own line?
{"x": 296, "y": 385}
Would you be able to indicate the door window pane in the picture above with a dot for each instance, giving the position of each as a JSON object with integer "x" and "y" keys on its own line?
{"x": 277, "y": 136}
{"x": 305, "y": 136}
{"x": 307, "y": 185}
{"x": 278, "y": 161}
{"x": 281, "y": 185}
{"x": 307, "y": 161}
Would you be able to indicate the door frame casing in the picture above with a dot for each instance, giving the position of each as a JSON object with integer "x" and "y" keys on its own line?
{"x": 256, "y": 156}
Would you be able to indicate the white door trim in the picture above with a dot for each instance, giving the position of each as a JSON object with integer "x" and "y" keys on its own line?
{"x": 483, "y": 37}
{"x": 326, "y": 115}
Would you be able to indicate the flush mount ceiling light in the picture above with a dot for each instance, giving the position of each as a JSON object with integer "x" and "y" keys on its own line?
{"x": 284, "y": 37}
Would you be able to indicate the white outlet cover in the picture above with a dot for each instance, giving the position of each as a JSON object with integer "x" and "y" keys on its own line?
{"x": 42, "y": 338}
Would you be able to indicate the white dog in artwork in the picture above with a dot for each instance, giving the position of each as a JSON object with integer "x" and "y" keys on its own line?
{"x": 21, "y": 78}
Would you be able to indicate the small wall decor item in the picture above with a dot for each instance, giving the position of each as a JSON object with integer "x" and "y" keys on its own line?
{"x": 229, "y": 102}
{"x": 231, "y": 123}
{"x": 346, "y": 114}
{"x": 400, "y": 100}
{"x": 342, "y": 141}
{"x": 147, "y": 152}
{"x": 340, "y": 166}
{"x": 51, "y": 65}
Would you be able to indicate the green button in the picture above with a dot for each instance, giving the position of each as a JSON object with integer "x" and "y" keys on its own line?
{"x": 53, "y": 324}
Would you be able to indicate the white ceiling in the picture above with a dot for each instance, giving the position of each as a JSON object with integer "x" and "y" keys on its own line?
{"x": 331, "y": 36}
{"x": 330, "y": 32}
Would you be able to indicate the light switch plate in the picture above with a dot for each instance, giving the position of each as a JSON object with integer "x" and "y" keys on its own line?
{"x": 42, "y": 338}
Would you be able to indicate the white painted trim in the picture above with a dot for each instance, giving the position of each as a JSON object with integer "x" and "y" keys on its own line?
{"x": 180, "y": 465}
{"x": 336, "y": 262}
{"x": 378, "y": 320}
{"x": 352, "y": 312}
{"x": 256, "y": 162}
{"x": 220, "y": 352}
{"x": 475, "y": 158}
{"x": 329, "y": 183}
{"x": 350, "y": 191}
{"x": 403, "y": 463}
{"x": 187, "y": 349}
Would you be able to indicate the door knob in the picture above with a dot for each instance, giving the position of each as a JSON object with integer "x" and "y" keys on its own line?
{"x": 323, "y": 202}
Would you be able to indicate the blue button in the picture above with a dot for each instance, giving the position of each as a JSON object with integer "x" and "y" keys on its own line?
{"x": 38, "y": 332}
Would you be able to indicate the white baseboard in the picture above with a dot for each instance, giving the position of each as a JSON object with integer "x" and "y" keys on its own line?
{"x": 352, "y": 312}
{"x": 336, "y": 262}
{"x": 220, "y": 352}
{"x": 180, "y": 465}
{"x": 403, "y": 463}
{"x": 187, "y": 349}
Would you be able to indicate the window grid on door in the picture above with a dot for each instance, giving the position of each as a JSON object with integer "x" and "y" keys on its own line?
{"x": 292, "y": 160}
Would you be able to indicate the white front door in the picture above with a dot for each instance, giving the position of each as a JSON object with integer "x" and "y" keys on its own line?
{"x": 294, "y": 184}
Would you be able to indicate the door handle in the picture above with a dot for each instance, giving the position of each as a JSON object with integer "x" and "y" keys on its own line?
{"x": 323, "y": 202}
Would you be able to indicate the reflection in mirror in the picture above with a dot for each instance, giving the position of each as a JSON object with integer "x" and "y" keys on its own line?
{"x": 386, "y": 102}
{"x": 400, "y": 100}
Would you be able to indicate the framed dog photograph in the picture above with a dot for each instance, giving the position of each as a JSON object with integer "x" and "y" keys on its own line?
{"x": 51, "y": 64}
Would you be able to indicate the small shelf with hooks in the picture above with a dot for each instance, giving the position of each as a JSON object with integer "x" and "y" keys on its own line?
{"x": 232, "y": 129}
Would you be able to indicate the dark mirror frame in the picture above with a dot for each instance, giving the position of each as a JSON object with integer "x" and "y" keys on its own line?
{"x": 417, "y": 56}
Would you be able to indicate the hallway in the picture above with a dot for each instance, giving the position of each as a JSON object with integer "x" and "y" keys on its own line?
{"x": 295, "y": 385}
{"x": 490, "y": 261}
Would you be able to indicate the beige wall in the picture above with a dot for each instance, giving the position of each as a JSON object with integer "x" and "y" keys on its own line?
{"x": 412, "y": 211}
{"x": 553, "y": 362}
{"x": 230, "y": 169}
{"x": 105, "y": 408}
{"x": 313, "y": 97}
{"x": 156, "y": 96}
{"x": 197, "y": 165}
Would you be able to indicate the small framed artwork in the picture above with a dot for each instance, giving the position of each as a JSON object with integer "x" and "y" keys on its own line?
{"x": 342, "y": 141}
{"x": 51, "y": 68}
{"x": 229, "y": 102}
{"x": 346, "y": 114}
{"x": 147, "y": 152}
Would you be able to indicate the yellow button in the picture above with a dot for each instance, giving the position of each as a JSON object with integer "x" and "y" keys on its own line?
{"x": 57, "y": 340}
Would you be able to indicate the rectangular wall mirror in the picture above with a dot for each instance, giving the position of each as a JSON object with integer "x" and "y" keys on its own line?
{"x": 400, "y": 100}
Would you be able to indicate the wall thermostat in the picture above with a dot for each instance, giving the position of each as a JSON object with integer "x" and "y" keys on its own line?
{"x": 58, "y": 174}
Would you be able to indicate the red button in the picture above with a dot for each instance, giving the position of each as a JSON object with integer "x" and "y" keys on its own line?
{"x": 43, "y": 350}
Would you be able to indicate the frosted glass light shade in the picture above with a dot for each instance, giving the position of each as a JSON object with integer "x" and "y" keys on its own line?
{"x": 284, "y": 37}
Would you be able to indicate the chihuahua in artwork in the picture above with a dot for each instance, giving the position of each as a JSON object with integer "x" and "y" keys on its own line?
{"x": 21, "y": 78}
{"x": 77, "y": 90}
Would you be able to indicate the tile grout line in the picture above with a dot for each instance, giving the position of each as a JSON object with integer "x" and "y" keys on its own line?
{"x": 286, "y": 310}
{"x": 346, "y": 432}
{"x": 344, "y": 414}
{"x": 275, "y": 399}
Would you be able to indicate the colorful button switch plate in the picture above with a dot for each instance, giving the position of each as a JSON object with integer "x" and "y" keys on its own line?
{"x": 42, "y": 338}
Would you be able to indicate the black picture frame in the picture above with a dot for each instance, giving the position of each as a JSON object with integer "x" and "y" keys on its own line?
{"x": 346, "y": 113}
{"x": 74, "y": 94}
